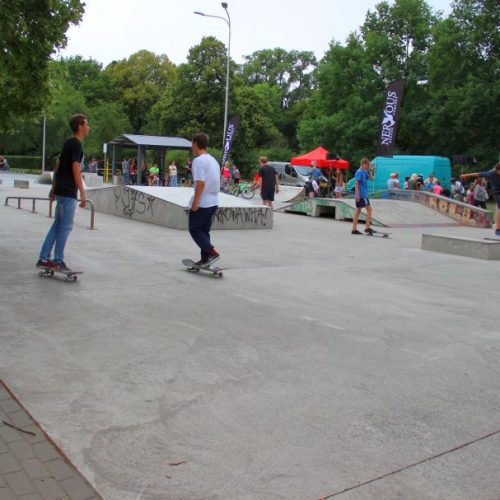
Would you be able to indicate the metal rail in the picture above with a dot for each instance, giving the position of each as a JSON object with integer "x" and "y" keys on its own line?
{"x": 35, "y": 199}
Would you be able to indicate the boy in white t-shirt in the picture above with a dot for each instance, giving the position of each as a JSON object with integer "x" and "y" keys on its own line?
{"x": 206, "y": 176}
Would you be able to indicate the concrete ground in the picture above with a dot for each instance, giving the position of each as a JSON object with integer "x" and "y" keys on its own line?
{"x": 320, "y": 362}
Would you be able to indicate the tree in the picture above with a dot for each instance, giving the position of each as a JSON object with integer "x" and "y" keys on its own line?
{"x": 138, "y": 82}
{"x": 31, "y": 30}
{"x": 343, "y": 112}
{"x": 87, "y": 76}
{"x": 195, "y": 101}
{"x": 464, "y": 81}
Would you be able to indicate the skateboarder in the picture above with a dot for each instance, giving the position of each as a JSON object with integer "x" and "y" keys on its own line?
{"x": 66, "y": 182}
{"x": 206, "y": 176}
{"x": 493, "y": 176}
{"x": 361, "y": 177}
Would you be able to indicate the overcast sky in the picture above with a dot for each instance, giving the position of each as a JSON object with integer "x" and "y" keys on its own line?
{"x": 115, "y": 29}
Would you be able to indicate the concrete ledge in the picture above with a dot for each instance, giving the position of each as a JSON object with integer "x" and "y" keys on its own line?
{"x": 92, "y": 179}
{"x": 169, "y": 206}
{"x": 21, "y": 183}
{"x": 46, "y": 178}
{"x": 466, "y": 247}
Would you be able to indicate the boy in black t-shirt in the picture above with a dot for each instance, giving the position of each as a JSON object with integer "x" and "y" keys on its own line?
{"x": 66, "y": 182}
{"x": 268, "y": 182}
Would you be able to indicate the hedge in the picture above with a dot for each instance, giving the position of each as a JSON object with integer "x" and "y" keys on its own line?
{"x": 25, "y": 162}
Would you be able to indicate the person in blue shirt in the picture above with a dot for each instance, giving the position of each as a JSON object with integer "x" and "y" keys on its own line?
{"x": 493, "y": 177}
{"x": 363, "y": 174}
{"x": 316, "y": 172}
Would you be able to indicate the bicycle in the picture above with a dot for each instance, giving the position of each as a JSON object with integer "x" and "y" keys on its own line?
{"x": 243, "y": 189}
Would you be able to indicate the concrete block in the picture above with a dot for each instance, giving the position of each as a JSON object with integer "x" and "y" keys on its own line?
{"x": 49, "y": 488}
{"x": 10, "y": 406}
{"x": 9, "y": 464}
{"x": 466, "y": 247}
{"x": 169, "y": 206}
{"x": 21, "y": 183}
{"x": 35, "y": 469}
{"x": 4, "y": 394}
{"x": 46, "y": 178}
{"x": 22, "y": 450}
{"x": 20, "y": 483}
{"x": 6, "y": 494}
{"x": 77, "y": 488}
{"x": 60, "y": 469}
{"x": 45, "y": 451}
{"x": 92, "y": 179}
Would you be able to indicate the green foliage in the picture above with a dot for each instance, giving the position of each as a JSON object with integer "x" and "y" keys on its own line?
{"x": 464, "y": 81}
{"x": 31, "y": 30}
{"x": 195, "y": 101}
{"x": 107, "y": 121}
{"x": 25, "y": 162}
{"x": 138, "y": 82}
{"x": 287, "y": 101}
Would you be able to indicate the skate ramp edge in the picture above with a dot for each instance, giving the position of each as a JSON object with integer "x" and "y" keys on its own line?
{"x": 169, "y": 207}
{"x": 466, "y": 247}
{"x": 410, "y": 210}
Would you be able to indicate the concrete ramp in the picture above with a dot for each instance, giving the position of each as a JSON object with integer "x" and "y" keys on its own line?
{"x": 398, "y": 213}
{"x": 169, "y": 206}
{"x": 287, "y": 196}
{"x": 388, "y": 213}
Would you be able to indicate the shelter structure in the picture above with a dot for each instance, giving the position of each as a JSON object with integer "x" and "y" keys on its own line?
{"x": 320, "y": 156}
{"x": 147, "y": 142}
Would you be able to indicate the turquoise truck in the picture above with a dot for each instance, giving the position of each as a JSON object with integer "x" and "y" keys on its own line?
{"x": 405, "y": 166}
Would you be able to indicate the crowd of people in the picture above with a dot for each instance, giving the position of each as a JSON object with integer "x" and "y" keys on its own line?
{"x": 151, "y": 175}
{"x": 475, "y": 194}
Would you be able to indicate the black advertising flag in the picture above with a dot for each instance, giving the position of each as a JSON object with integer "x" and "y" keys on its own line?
{"x": 228, "y": 141}
{"x": 389, "y": 117}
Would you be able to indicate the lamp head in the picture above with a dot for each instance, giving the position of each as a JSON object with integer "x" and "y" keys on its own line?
{"x": 224, "y": 5}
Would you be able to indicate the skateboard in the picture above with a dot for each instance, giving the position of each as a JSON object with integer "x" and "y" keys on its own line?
{"x": 380, "y": 234}
{"x": 69, "y": 275}
{"x": 212, "y": 270}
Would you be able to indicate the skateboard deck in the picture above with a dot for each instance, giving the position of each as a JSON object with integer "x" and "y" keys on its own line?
{"x": 192, "y": 267}
{"x": 69, "y": 275}
{"x": 380, "y": 234}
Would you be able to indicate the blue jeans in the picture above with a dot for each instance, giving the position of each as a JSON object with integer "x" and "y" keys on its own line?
{"x": 173, "y": 181}
{"x": 200, "y": 223}
{"x": 60, "y": 229}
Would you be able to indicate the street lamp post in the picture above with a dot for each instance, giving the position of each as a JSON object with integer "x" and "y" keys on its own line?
{"x": 226, "y": 103}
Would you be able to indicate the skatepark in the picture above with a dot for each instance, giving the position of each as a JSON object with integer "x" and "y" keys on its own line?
{"x": 322, "y": 365}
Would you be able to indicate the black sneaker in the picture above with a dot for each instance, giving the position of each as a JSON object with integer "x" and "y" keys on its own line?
{"x": 60, "y": 266}
{"x": 369, "y": 231}
{"x": 44, "y": 263}
{"x": 355, "y": 231}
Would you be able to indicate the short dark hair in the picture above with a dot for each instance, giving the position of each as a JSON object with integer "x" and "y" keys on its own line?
{"x": 76, "y": 121}
{"x": 201, "y": 140}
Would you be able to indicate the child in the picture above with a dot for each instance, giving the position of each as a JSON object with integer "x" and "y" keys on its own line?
{"x": 361, "y": 195}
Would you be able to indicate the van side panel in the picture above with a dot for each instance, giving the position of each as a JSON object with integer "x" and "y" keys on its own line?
{"x": 405, "y": 166}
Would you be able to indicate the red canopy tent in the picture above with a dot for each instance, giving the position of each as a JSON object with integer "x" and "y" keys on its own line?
{"x": 319, "y": 155}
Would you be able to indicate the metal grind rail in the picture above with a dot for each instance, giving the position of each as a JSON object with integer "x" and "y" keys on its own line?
{"x": 35, "y": 199}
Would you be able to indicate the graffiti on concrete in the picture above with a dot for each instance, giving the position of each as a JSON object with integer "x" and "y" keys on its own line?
{"x": 304, "y": 207}
{"x": 251, "y": 216}
{"x": 462, "y": 212}
{"x": 132, "y": 202}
